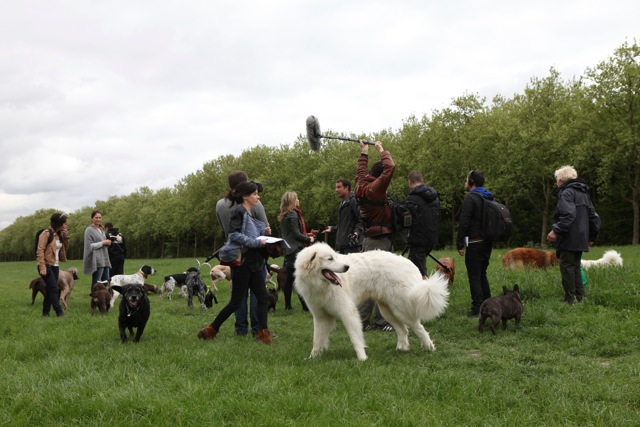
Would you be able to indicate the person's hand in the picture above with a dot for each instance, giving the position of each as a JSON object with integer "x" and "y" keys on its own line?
{"x": 106, "y": 242}
{"x": 65, "y": 230}
{"x": 379, "y": 147}
{"x": 263, "y": 241}
{"x": 267, "y": 231}
{"x": 43, "y": 271}
{"x": 312, "y": 238}
{"x": 328, "y": 229}
{"x": 364, "y": 147}
{"x": 552, "y": 237}
{"x": 354, "y": 238}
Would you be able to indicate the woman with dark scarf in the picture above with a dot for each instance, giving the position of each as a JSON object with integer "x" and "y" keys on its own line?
{"x": 294, "y": 232}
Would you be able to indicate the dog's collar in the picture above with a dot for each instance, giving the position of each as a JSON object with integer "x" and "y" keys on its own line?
{"x": 142, "y": 273}
{"x": 129, "y": 311}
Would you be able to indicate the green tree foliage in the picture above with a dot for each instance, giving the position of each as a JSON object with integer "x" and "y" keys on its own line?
{"x": 592, "y": 123}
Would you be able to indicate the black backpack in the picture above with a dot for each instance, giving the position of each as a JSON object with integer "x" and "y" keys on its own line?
{"x": 496, "y": 220}
{"x": 38, "y": 233}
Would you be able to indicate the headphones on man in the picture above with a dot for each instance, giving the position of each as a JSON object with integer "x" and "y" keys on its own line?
{"x": 470, "y": 178}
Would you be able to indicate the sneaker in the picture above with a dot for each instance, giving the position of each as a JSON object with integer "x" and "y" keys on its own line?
{"x": 386, "y": 328}
{"x": 241, "y": 333}
{"x": 569, "y": 301}
{"x": 473, "y": 313}
{"x": 62, "y": 314}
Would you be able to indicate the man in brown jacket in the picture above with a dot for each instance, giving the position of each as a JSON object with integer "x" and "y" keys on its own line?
{"x": 376, "y": 213}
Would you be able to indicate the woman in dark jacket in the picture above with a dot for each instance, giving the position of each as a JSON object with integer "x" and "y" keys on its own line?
{"x": 294, "y": 232}
{"x": 245, "y": 231}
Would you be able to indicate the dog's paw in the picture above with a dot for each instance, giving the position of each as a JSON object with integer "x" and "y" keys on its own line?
{"x": 316, "y": 352}
{"x": 429, "y": 346}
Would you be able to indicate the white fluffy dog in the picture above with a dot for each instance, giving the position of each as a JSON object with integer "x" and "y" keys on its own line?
{"x": 333, "y": 285}
{"x": 610, "y": 258}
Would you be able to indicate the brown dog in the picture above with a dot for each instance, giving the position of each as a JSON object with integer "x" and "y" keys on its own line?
{"x": 65, "y": 284}
{"x": 528, "y": 258}
{"x": 151, "y": 288}
{"x": 451, "y": 263}
{"x": 100, "y": 299}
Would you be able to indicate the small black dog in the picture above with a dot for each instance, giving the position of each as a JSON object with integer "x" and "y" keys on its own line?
{"x": 504, "y": 307}
{"x": 134, "y": 310}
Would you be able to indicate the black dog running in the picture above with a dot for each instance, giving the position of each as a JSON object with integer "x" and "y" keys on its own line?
{"x": 134, "y": 310}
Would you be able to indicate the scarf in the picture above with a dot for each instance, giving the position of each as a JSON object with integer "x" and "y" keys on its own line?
{"x": 303, "y": 226}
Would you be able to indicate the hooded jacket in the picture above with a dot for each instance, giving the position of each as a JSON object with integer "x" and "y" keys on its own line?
{"x": 426, "y": 222}
{"x": 576, "y": 222}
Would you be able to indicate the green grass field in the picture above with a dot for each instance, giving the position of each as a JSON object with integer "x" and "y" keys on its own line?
{"x": 565, "y": 365}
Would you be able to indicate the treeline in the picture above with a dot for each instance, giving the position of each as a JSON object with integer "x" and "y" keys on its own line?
{"x": 591, "y": 122}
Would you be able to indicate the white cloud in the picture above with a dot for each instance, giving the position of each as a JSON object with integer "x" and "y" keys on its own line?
{"x": 157, "y": 88}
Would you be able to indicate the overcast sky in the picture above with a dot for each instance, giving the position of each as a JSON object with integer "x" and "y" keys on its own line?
{"x": 98, "y": 98}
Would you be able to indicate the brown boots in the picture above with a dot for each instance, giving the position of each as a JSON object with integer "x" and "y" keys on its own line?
{"x": 264, "y": 336}
{"x": 207, "y": 333}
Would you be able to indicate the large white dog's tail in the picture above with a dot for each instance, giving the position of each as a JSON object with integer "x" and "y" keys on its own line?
{"x": 610, "y": 258}
{"x": 431, "y": 296}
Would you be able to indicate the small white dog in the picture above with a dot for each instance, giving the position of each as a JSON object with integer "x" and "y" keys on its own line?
{"x": 125, "y": 279}
{"x": 610, "y": 258}
{"x": 333, "y": 285}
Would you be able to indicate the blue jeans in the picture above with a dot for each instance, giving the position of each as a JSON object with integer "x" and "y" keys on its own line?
{"x": 52, "y": 298}
{"x": 242, "y": 324}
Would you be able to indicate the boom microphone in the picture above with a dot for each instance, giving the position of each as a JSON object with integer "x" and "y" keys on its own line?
{"x": 314, "y": 136}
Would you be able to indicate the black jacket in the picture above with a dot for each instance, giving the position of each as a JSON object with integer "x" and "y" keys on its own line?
{"x": 470, "y": 222}
{"x": 576, "y": 222}
{"x": 426, "y": 220}
{"x": 349, "y": 222}
{"x": 118, "y": 247}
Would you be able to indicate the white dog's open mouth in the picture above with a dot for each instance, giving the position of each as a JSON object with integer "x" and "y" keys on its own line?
{"x": 332, "y": 277}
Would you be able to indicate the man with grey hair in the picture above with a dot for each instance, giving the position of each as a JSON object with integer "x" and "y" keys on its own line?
{"x": 575, "y": 227}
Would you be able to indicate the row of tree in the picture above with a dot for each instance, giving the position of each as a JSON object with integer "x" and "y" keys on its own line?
{"x": 591, "y": 122}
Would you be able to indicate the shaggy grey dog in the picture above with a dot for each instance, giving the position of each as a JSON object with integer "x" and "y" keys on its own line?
{"x": 505, "y": 307}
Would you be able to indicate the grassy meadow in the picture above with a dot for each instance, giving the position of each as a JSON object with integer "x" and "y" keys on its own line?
{"x": 565, "y": 365}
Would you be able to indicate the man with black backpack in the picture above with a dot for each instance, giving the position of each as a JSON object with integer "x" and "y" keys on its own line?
{"x": 423, "y": 234}
{"x": 471, "y": 244}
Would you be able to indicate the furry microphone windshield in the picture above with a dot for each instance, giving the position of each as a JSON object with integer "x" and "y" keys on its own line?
{"x": 314, "y": 136}
{"x": 313, "y": 133}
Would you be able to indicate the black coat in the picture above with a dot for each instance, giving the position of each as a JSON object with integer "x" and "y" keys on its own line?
{"x": 426, "y": 220}
{"x": 576, "y": 222}
{"x": 349, "y": 222}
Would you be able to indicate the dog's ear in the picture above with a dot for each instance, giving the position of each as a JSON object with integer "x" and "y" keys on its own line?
{"x": 516, "y": 288}
{"x": 504, "y": 290}
{"x": 118, "y": 288}
{"x": 312, "y": 261}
